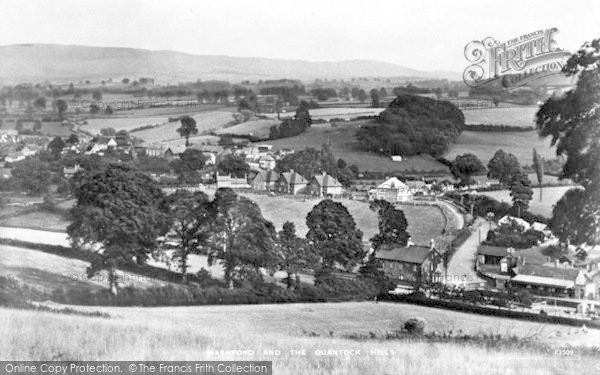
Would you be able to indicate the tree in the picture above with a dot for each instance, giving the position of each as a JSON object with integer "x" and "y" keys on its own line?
{"x": 392, "y": 225}
{"x": 243, "y": 241}
{"x": 538, "y": 167}
{"x": 117, "y": 213}
{"x": 40, "y": 103}
{"x": 362, "y": 95}
{"x": 465, "y": 166}
{"x": 61, "y": 107}
{"x": 504, "y": 167}
{"x": 303, "y": 114}
{"x": 125, "y": 81}
{"x": 572, "y": 122}
{"x": 571, "y": 221}
{"x": 233, "y": 165}
{"x": 108, "y": 110}
{"x": 383, "y": 92}
{"x": 333, "y": 234}
{"x": 374, "y": 98}
{"x": 188, "y": 128}
{"x": 496, "y": 101}
{"x": 108, "y": 132}
{"x": 97, "y": 95}
{"x": 56, "y": 146}
{"x": 190, "y": 222}
{"x": 94, "y": 108}
{"x": 521, "y": 193}
{"x": 295, "y": 254}
{"x": 32, "y": 175}
{"x": 72, "y": 140}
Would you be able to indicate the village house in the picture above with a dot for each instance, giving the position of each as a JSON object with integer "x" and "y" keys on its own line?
{"x": 173, "y": 152}
{"x": 212, "y": 152}
{"x": 290, "y": 183}
{"x": 267, "y": 162}
{"x": 324, "y": 185}
{"x": 264, "y": 180}
{"x": 154, "y": 150}
{"x": 68, "y": 172}
{"x": 411, "y": 264}
{"x": 9, "y": 136}
{"x": 392, "y": 190}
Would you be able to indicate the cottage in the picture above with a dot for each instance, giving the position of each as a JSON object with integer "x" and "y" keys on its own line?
{"x": 264, "y": 180}
{"x": 324, "y": 185}
{"x": 267, "y": 162}
{"x": 555, "y": 281}
{"x": 411, "y": 264}
{"x": 174, "y": 151}
{"x": 68, "y": 172}
{"x": 491, "y": 255}
{"x": 393, "y": 190}
{"x": 212, "y": 152}
{"x": 509, "y": 220}
{"x": 227, "y": 181}
{"x": 290, "y": 183}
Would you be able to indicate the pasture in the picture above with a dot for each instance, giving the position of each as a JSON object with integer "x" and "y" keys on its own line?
{"x": 94, "y": 125}
{"x": 523, "y": 116}
{"x": 167, "y": 131}
{"x": 485, "y": 144}
{"x": 329, "y": 113}
{"x": 37, "y": 220}
{"x": 344, "y": 145}
{"x": 550, "y": 195}
{"x": 217, "y": 332}
{"x": 256, "y": 128}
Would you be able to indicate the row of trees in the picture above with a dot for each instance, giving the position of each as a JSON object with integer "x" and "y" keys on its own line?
{"x": 124, "y": 215}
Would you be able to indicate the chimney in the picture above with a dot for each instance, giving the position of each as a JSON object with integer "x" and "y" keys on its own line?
{"x": 324, "y": 173}
{"x": 291, "y": 171}
{"x": 432, "y": 244}
{"x": 409, "y": 243}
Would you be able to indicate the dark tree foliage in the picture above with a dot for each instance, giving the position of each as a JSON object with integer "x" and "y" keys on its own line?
{"x": 190, "y": 220}
{"x": 32, "y": 175}
{"x": 573, "y": 122}
{"x": 56, "y": 146}
{"x": 465, "y": 166}
{"x": 334, "y": 236}
{"x": 187, "y": 128}
{"x": 323, "y": 93}
{"x": 504, "y": 167}
{"x": 152, "y": 164}
{"x": 521, "y": 193}
{"x": 233, "y": 165}
{"x": 118, "y": 210}
{"x": 294, "y": 254}
{"x": 392, "y": 225}
{"x": 571, "y": 221}
{"x": 243, "y": 240}
{"x": 374, "y": 98}
{"x": 412, "y": 125}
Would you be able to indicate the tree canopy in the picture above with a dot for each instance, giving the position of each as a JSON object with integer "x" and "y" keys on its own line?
{"x": 465, "y": 166}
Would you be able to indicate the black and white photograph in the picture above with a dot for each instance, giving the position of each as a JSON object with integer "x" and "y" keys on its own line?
{"x": 277, "y": 187}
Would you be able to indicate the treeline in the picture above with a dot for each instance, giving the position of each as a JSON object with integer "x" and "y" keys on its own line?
{"x": 290, "y": 127}
{"x": 413, "y": 125}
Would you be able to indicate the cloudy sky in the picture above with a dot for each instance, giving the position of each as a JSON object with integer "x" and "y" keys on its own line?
{"x": 426, "y": 35}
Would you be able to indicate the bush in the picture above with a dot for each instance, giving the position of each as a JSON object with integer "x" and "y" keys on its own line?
{"x": 415, "y": 326}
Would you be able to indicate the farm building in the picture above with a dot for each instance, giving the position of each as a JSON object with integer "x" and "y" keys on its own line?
{"x": 290, "y": 183}
{"x": 555, "y": 281}
{"x": 324, "y": 185}
{"x": 264, "y": 180}
{"x": 227, "y": 181}
{"x": 411, "y": 264}
{"x": 212, "y": 152}
{"x": 174, "y": 151}
{"x": 393, "y": 190}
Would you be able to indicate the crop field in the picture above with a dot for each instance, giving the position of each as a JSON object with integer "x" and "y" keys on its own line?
{"x": 344, "y": 145}
{"x": 485, "y": 144}
{"x": 257, "y": 128}
{"x": 550, "y": 195}
{"x": 208, "y": 332}
{"x": 523, "y": 116}
{"x": 205, "y": 122}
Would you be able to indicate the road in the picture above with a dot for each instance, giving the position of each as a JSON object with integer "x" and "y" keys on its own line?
{"x": 461, "y": 269}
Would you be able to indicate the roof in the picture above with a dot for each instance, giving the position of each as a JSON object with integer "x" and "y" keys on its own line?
{"x": 412, "y": 254}
{"x": 549, "y": 272}
{"x": 392, "y": 183}
{"x": 293, "y": 178}
{"x": 268, "y": 176}
{"x": 179, "y": 149}
{"x": 327, "y": 181}
{"x": 497, "y": 251}
{"x": 415, "y": 183}
{"x": 208, "y": 148}
{"x": 508, "y": 219}
{"x": 547, "y": 281}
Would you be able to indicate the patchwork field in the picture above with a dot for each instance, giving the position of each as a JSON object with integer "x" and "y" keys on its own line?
{"x": 344, "y": 145}
{"x": 205, "y": 122}
{"x": 251, "y": 332}
{"x": 485, "y": 145}
{"x": 257, "y": 128}
{"x": 523, "y": 116}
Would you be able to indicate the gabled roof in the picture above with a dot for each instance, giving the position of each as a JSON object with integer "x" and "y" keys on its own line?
{"x": 179, "y": 149}
{"x": 392, "y": 183}
{"x": 413, "y": 254}
{"x": 267, "y": 176}
{"x": 208, "y": 148}
{"x": 327, "y": 181}
{"x": 293, "y": 178}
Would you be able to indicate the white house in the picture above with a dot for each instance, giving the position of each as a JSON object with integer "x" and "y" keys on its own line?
{"x": 393, "y": 190}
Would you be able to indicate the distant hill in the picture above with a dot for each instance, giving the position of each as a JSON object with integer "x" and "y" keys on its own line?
{"x": 38, "y": 62}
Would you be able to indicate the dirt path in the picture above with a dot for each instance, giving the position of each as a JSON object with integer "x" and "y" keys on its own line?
{"x": 461, "y": 269}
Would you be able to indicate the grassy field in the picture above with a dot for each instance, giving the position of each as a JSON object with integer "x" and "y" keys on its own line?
{"x": 344, "y": 145}
{"x": 200, "y": 333}
{"x": 523, "y": 116}
{"x": 485, "y": 145}
{"x": 94, "y": 125}
{"x": 257, "y": 128}
{"x": 550, "y": 195}
{"x": 335, "y": 112}
{"x": 205, "y": 121}
{"x": 38, "y": 220}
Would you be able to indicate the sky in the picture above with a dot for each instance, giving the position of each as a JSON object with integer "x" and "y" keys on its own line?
{"x": 422, "y": 34}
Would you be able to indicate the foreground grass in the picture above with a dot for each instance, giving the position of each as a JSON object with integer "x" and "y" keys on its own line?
{"x": 192, "y": 333}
